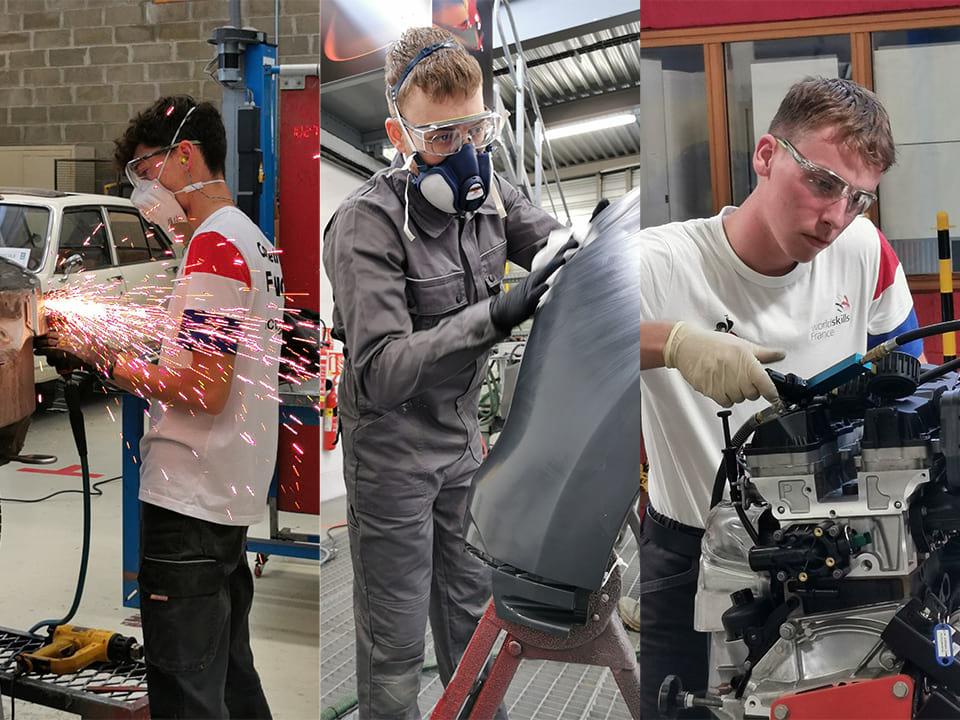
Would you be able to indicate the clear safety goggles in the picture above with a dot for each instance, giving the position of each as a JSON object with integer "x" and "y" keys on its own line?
{"x": 448, "y": 137}
{"x": 140, "y": 168}
{"x": 148, "y": 166}
{"x": 829, "y": 186}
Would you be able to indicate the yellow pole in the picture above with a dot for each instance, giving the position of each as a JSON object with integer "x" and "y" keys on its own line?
{"x": 946, "y": 283}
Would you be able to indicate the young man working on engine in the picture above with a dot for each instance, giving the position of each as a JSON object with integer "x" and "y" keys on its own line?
{"x": 415, "y": 258}
{"x": 210, "y": 452}
{"x": 798, "y": 268}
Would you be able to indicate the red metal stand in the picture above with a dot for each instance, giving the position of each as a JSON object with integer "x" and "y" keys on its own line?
{"x": 602, "y": 641}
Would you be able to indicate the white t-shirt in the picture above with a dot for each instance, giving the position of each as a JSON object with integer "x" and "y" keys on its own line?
{"x": 228, "y": 297}
{"x": 819, "y": 313}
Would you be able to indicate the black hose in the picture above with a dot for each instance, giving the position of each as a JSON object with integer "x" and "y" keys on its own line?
{"x": 938, "y": 371}
{"x": 927, "y": 331}
{"x": 739, "y": 438}
{"x": 736, "y": 442}
{"x": 718, "y": 483}
{"x": 95, "y": 492}
{"x": 72, "y": 394}
{"x": 748, "y": 526}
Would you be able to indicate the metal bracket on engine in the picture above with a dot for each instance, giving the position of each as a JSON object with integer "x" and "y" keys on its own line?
{"x": 886, "y": 697}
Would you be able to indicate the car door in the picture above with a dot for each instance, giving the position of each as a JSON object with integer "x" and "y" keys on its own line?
{"x": 83, "y": 232}
{"x": 145, "y": 257}
{"x": 148, "y": 264}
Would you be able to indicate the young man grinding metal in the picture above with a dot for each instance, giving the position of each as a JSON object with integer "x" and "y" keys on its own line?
{"x": 209, "y": 455}
{"x": 415, "y": 258}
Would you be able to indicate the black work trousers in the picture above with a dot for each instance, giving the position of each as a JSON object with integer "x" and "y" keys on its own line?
{"x": 669, "y": 645}
{"x": 195, "y": 595}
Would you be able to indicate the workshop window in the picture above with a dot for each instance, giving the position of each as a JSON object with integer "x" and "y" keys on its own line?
{"x": 129, "y": 240}
{"x": 83, "y": 233}
{"x": 583, "y": 193}
{"x": 914, "y": 75}
{"x": 674, "y": 145}
{"x": 758, "y": 75}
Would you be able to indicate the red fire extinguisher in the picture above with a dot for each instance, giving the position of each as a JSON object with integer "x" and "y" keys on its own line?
{"x": 330, "y": 417}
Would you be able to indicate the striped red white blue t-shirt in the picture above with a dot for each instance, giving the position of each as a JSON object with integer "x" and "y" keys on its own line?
{"x": 227, "y": 299}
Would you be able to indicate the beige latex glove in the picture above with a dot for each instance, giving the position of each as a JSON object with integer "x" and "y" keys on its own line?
{"x": 721, "y": 366}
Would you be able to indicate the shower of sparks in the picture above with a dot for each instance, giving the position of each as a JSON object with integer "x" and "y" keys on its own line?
{"x": 99, "y": 317}
{"x": 103, "y": 320}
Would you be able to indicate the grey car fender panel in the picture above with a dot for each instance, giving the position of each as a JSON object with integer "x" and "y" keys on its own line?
{"x": 547, "y": 505}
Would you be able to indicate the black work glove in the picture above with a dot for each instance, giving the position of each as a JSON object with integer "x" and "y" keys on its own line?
{"x": 60, "y": 360}
{"x": 509, "y": 309}
{"x": 601, "y": 206}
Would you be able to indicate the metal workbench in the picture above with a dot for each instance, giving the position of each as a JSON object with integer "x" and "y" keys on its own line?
{"x": 86, "y": 693}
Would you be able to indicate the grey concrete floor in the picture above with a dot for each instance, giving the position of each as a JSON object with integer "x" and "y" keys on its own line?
{"x": 40, "y": 552}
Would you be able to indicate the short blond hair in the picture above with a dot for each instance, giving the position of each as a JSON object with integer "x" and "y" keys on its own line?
{"x": 857, "y": 115}
{"x": 447, "y": 73}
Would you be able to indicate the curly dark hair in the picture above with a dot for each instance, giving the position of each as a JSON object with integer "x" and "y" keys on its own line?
{"x": 155, "y": 126}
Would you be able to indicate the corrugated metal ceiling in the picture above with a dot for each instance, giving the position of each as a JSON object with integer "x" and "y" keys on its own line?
{"x": 578, "y": 69}
{"x": 572, "y": 78}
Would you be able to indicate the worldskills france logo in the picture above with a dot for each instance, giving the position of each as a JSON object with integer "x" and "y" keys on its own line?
{"x": 726, "y": 326}
{"x": 829, "y": 327}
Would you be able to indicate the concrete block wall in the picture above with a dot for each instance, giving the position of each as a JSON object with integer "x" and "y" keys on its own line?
{"x": 75, "y": 71}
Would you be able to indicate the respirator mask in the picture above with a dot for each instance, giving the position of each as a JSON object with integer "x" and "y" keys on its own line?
{"x": 155, "y": 202}
{"x": 461, "y": 182}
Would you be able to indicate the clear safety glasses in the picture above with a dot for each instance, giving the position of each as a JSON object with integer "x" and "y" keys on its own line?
{"x": 140, "y": 168}
{"x": 829, "y": 186}
{"x": 448, "y": 137}
{"x": 149, "y": 165}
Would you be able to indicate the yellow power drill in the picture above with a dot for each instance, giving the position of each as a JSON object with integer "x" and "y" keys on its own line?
{"x": 73, "y": 648}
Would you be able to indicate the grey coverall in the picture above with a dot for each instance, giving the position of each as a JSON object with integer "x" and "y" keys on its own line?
{"x": 416, "y": 323}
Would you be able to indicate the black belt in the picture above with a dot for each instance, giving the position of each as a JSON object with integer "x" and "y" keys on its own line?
{"x": 671, "y": 534}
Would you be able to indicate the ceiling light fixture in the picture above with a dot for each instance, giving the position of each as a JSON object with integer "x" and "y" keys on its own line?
{"x": 591, "y": 125}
